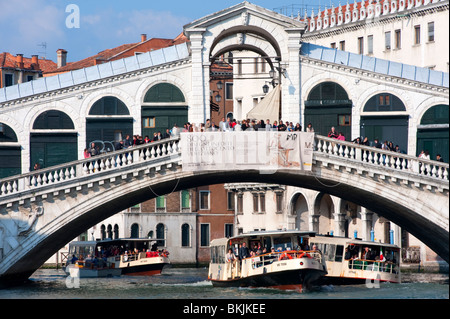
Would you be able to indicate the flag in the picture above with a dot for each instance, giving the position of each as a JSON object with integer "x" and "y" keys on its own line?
{"x": 381, "y": 255}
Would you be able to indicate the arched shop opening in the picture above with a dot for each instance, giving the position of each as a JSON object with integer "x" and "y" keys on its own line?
{"x": 53, "y": 140}
{"x": 164, "y": 106}
{"x": 108, "y": 122}
{"x": 10, "y": 152}
{"x": 432, "y": 133}
{"x": 388, "y": 120}
{"x": 328, "y": 105}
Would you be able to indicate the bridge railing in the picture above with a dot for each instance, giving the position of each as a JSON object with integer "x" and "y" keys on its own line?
{"x": 382, "y": 158}
{"x": 90, "y": 166}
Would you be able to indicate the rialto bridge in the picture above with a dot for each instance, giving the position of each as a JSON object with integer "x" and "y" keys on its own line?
{"x": 50, "y": 121}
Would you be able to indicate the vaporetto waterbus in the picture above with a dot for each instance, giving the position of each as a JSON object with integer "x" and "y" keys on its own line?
{"x": 284, "y": 264}
{"x": 105, "y": 258}
{"x": 354, "y": 261}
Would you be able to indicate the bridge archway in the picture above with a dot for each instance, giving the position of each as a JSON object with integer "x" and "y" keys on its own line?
{"x": 10, "y": 152}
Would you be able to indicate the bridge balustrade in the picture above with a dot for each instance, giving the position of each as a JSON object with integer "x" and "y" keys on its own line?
{"x": 382, "y": 158}
{"x": 90, "y": 166}
{"x": 152, "y": 151}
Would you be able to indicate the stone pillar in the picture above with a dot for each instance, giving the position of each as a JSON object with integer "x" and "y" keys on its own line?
{"x": 314, "y": 222}
{"x": 339, "y": 224}
{"x": 199, "y": 101}
{"x": 290, "y": 80}
{"x": 366, "y": 218}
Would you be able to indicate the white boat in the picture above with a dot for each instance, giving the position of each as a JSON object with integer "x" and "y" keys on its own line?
{"x": 286, "y": 266}
{"x": 105, "y": 258}
{"x": 353, "y": 261}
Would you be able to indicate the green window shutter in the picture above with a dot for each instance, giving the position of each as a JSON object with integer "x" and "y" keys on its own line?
{"x": 160, "y": 202}
{"x": 185, "y": 199}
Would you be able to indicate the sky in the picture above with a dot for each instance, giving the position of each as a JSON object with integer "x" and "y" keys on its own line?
{"x": 43, "y": 26}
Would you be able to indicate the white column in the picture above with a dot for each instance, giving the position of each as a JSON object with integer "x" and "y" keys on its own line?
{"x": 290, "y": 81}
{"x": 199, "y": 102}
{"x": 366, "y": 218}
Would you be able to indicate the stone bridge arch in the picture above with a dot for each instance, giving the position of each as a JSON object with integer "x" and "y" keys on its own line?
{"x": 44, "y": 221}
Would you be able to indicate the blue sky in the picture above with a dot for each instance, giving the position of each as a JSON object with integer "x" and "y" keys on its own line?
{"x": 26, "y": 24}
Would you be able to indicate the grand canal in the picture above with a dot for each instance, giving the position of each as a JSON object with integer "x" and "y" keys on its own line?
{"x": 192, "y": 284}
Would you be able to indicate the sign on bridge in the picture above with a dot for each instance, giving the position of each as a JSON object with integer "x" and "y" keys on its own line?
{"x": 261, "y": 150}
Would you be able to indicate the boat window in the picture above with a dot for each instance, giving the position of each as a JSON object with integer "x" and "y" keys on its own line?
{"x": 339, "y": 253}
{"x": 218, "y": 254}
{"x": 282, "y": 242}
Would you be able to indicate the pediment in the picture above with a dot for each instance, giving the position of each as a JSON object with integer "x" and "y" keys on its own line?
{"x": 241, "y": 12}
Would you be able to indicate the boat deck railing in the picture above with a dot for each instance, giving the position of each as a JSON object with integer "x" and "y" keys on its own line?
{"x": 140, "y": 255}
{"x": 373, "y": 265}
{"x": 234, "y": 269}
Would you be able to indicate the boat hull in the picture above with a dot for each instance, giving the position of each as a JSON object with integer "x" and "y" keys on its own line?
{"x": 144, "y": 270}
{"x": 296, "y": 279}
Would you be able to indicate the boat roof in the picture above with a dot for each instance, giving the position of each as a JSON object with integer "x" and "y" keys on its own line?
{"x": 350, "y": 241}
{"x": 256, "y": 234}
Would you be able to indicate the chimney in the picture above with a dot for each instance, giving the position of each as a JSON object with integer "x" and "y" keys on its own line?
{"x": 19, "y": 61}
{"x": 61, "y": 57}
{"x": 35, "y": 62}
{"x": 143, "y": 37}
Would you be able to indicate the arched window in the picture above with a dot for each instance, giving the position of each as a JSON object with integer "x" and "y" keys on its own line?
{"x": 109, "y": 105}
{"x": 328, "y": 105}
{"x": 164, "y": 92}
{"x": 53, "y": 120}
{"x": 384, "y": 102}
{"x": 10, "y": 163}
{"x": 109, "y": 121}
{"x": 109, "y": 232}
{"x": 134, "y": 231}
{"x": 102, "y": 232}
{"x": 185, "y": 236}
{"x": 432, "y": 133}
{"x": 160, "y": 234}
{"x": 116, "y": 231}
{"x": 49, "y": 144}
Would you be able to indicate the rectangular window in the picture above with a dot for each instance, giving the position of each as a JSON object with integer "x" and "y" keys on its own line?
{"x": 29, "y": 78}
{"x": 344, "y": 120}
{"x": 255, "y": 203}
{"x": 185, "y": 199}
{"x": 360, "y": 45}
{"x": 342, "y": 45}
{"x": 229, "y": 90}
{"x": 417, "y": 34}
{"x": 398, "y": 39}
{"x": 370, "y": 44}
{"x": 333, "y": 45}
{"x": 387, "y": 40}
{"x": 228, "y": 230}
{"x": 262, "y": 202}
{"x": 204, "y": 235}
{"x": 160, "y": 203}
{"x": 230, "y": 200}
{"x": 239, "y": 66}
{"x": 149, "y": 122}
{"x": 263, "y": 65}
{"x": 431, "y": 32}
{"x": 240, "y": 203}
{"x": 279, "y": 197}
{"x": 204, "y": 199}
{"x": 9, "y": 80}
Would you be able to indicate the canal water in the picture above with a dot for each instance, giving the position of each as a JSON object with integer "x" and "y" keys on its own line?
{"x": 192, "y": 284}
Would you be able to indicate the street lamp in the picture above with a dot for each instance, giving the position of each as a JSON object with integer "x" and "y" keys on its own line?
{"x": 265, "y": 88}
{"x": 219, "y": 85}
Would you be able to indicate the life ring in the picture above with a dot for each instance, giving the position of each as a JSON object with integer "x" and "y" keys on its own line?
{"x": 285, "y": 256}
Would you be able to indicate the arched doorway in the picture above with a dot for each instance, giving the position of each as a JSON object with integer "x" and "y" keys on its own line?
{"x": 108, "y": 121}
{"x": 381, "y": 124}
{"x": 432, "y": 133}
{"x": 10, "y": 154}
{"x": 164, "y": 105}
{"x": 53, "y": 140}
{"x": 328, "y": 105}
{"x": 324, "y": 211}
{"x": 134, "y": 231}
{"x": 300, "y": 211}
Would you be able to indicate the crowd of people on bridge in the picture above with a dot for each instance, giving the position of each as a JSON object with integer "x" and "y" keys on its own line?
{"x": 228, "y": 125}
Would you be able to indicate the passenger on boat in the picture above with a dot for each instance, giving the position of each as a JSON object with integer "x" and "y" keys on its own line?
{"x": 74, "y": 259}
{"x": 367, "y": 255}
{"x": 244, "y": 252}
{"x": 348, "y": 254}
{"x": 230, "y": 257}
